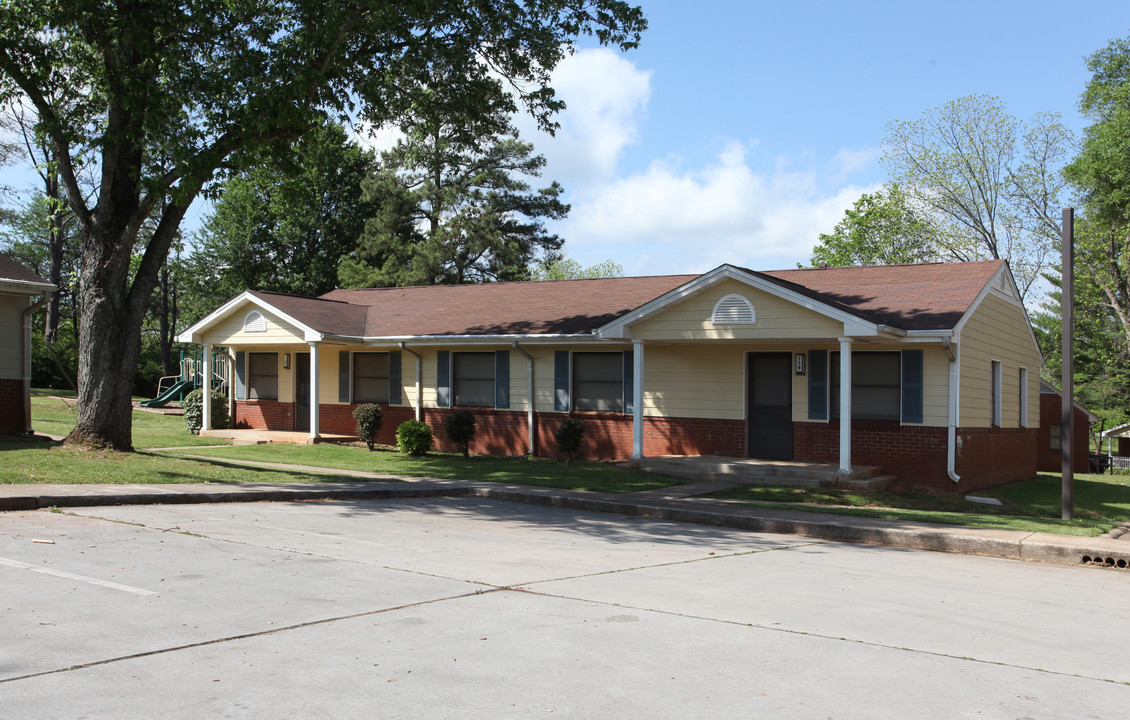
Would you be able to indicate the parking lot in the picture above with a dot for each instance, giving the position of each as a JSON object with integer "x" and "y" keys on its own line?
{"x": 472, "y": 608}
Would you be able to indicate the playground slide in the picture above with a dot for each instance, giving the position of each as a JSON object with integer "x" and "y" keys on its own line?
{"x": 162, "y": 399}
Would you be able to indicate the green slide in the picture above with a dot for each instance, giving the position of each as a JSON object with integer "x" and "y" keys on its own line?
{"x": 162, "y": 399}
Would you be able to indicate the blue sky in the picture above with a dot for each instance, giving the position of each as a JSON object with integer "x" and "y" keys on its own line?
{"x": 739, "y": 131}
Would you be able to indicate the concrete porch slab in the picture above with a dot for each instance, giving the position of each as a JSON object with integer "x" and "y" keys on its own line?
{"x": 241, "y": 436}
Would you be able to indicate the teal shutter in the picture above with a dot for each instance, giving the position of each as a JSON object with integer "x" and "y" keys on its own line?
{"x": 240, "y": 375}
{"x": 395, "y": 382}
{"x": 817, "y": 384}
{"x": 629, "y": 382}
{"x": 443, "y": 378}
{"x": 561, "y": 380}
{"x": 502, "y": 379}
{"x": 343, "y": 376}
{"x": 912, "y": 386}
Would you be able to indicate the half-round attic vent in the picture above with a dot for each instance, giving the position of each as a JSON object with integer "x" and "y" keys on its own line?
{"x": 254, "y": 322}
{"x": 733, "y": 310}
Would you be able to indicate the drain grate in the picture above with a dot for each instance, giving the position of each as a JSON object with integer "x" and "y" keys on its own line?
{"x": 1099, "y": 561}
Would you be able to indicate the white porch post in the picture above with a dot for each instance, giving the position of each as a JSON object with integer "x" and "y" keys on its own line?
{"x": 206, "y": 367}
{"x": 845, "y": 405}
{"x": 637, "y": 399}
{"x": 314, "y": 429}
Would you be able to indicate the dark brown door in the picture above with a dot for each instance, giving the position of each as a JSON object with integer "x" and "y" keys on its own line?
{"x": 302, "y": 392}
{"x": 769, "y": 422}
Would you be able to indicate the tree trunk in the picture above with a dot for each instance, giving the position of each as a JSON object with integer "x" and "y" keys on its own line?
{"x": 166, "y": 344}
{"x": 55, "y": 240}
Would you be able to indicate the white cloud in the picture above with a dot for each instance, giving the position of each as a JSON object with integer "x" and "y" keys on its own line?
{"x": 668, "y": 219}
{"x": 605, "y": 97}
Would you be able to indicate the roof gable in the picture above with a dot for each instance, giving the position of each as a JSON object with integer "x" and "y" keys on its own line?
{"x": 13, "y": 273}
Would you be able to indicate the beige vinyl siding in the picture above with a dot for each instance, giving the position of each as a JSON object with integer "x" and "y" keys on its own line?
{"x": 701, "y": 381}
{"x": 230, "y": 331}
{"x": 997, "y": 331}
{"x": 776, "y": 319}
{"x": 11, "y": 330}
{"x": 329, "y": 368}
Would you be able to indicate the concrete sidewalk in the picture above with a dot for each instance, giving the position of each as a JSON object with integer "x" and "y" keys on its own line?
{"x": 675, "y": 504}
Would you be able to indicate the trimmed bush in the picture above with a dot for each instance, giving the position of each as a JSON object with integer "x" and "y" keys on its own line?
{"x": 369, "y": 419}
{"x": 568, "y": 438}
{"x": 460, "y": 429}
{"x": 193, "y": 406}
{"x": 414, "y": 437}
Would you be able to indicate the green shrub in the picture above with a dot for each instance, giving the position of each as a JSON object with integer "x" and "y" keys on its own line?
{"x": 413, "y": 437}
{"x": 194, "y": 410}
{"x": 568, "y": 438}
{"x": 460, "y": 429}
{"x": 369, "y": 418}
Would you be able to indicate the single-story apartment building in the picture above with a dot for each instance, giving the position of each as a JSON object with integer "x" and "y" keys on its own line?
{"x": 22, "y": 292}
{"x": 929, "y": 371}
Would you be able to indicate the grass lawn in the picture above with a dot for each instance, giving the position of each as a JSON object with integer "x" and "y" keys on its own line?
{"x": 1100, "y": 503}
{"x": 597, "y": 477}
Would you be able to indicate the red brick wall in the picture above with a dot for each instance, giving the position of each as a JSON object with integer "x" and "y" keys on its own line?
{"x": 1048, "y": 460}
{"x": 264, "y": 415}
{"x": 984, "y": 456}
{"x": 12, "y": 407}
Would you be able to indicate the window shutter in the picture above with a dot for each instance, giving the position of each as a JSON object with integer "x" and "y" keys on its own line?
{"x": 443, "y": 378}
{"x": 561, "y": 380}
{"x": 912, "y": 386}
{"x": 395, "y": 379}
{"x": 343, "y": 376}
{"x": 817, "y": 384}
{"x": 629, "y": 382}
{"x": 502, "y": 379}
{"x": 240, "y": 375}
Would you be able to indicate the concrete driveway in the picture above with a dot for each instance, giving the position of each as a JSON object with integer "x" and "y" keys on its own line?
{"x": 473, "y": 608}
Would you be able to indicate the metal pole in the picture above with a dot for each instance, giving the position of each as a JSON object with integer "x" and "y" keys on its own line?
{"x": 1067, "y": 403}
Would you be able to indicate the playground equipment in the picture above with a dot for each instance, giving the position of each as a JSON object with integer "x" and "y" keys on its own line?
{"x": 172, "y": 387}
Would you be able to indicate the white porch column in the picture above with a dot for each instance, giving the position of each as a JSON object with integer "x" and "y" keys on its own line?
{"x": 314, "y": 374}
{"x": 845, "y": 405}
{"x": 206, "y": 370}
{"x": 637, "y": 399}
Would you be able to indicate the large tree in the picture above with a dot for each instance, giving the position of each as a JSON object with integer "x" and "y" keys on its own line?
{"x": 1101, "y": 172}
{"x": 454, "y": 205}
{"x": 283, "y": 224}
{"x": 165, "y": 95}
{"x": 988, "y": 185}
{"x": 881, "y": 228}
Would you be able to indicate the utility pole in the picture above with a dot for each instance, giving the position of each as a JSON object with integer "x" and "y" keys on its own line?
{"x": 1067, "y": 401}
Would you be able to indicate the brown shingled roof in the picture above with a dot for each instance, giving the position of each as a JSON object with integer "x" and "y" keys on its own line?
{"x": 12, "y": 271}
{"x": 561, "y": 307}
{"x": 933, "y": 296}
{"x": 910, "y": 297}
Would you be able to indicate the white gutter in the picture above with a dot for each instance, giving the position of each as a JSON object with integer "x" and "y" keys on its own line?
{"x": 419, "y": 381}
{"x": 951, "y": 426}
{"x": 530, "y": 430}
{"x": 25, "y": 343}
{"x": 473, "y": 339}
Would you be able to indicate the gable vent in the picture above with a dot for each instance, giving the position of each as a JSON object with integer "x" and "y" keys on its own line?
{"x": 254, "y": 322}
{"x": 733, "y": 310}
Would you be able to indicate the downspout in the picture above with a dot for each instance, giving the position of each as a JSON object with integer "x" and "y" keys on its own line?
{"x": 951, "y": 426}
{"x": 419, "y": 380}
{"x": 25, "y": 342}
{"x": 530, "y": 429}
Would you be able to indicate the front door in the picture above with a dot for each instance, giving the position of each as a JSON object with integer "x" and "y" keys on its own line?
{"x": 769, "y": 403}
{"x": 302, "y": 392}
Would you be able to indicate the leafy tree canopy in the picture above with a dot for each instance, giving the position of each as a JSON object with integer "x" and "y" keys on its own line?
{"x": 167, "y": 95}
{"x": 566, "y": 268}
{"x": 881, "y": 228}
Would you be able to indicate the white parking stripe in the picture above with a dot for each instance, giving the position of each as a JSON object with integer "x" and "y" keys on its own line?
{"x": 71, "y": 576}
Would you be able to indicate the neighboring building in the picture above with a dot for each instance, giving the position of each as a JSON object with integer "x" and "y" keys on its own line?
{"x": 938, "y": 361}
{"x": 1050, "y": 443}
{"x": 21, "y": 293}
{"x": 1118, "y": 437}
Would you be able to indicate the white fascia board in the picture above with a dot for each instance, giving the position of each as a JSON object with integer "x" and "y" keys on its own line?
{"x": 853, "y": 326}
{"x": 439, "y": 340}
{"x": 23, "y": 287}
{"x": 194, "y": 333}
